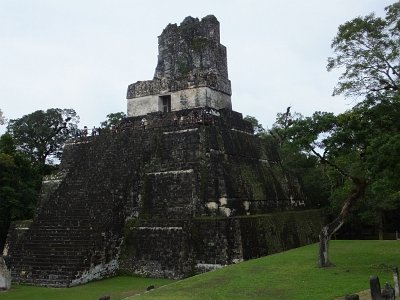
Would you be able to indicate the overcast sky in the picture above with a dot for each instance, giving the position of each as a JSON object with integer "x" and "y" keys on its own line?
{"x": 82, "y": 54}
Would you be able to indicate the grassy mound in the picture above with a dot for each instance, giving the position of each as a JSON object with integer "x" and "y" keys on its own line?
{"x": 289, "y": 275}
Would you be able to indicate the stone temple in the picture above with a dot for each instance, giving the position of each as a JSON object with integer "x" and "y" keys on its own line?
{"x": 192, "y": 71}
{"x": 181, "y": 186}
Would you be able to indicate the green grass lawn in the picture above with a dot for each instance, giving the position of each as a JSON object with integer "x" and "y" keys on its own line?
{"x": 118, "y": 288}
{"x": 292, "y": 275}
{"x": 289, "y": 275}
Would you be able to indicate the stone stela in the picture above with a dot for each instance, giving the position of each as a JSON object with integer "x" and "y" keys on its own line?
{"x": 181, "y": 186}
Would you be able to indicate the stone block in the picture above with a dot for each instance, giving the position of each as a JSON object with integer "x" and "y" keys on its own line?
{"x": 5, "y": 276}
{"x": 375, "y": 287}
{"x": 352, "y": 297}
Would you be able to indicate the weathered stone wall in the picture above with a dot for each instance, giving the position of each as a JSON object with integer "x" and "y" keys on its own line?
{"x": 16, "y": 231}
{"x": 192, "y": 69}
{"x": 76, "y": 234}
{"x": 274, "y": 233}
{"x": 180, "y": 248}
{"x": 194, "y": 47}
{"x": 191, "y": 97}
{"x": 181, "y": 166}
{"x": 157, "y": 248}
{"x": 222, "y": 241}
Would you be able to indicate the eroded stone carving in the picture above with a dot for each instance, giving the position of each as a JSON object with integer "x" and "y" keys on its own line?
{"x": 192, "y": 70}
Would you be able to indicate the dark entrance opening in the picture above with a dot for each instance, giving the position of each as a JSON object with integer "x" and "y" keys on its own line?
{"x": 166, "y": 103}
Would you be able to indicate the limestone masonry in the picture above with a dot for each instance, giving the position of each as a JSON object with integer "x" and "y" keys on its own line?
{"x": 191, "y": 72}
{"x": 181, "y": 186}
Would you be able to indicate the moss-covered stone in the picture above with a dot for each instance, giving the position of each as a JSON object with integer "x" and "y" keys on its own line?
{"x": 134, "y": 199}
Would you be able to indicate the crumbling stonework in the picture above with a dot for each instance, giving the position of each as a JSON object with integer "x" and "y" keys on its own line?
{"x": 146, "y": 200}
{"x": 167, "y": 193}
{"x": 192, "y": 70}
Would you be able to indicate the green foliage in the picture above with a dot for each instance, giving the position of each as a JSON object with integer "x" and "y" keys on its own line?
{"x": 19, "y": 185}
{"x": 257, "y": 127}
{"x": 113, "y": 119}
{"x": 368, "y": 48}
{"x": 311, "y": 174}
{"x": 294, "y": 160}
{"x": 360, "y": 143}
{"x": 2, "y": 118}
{"x": 42, "y": 134}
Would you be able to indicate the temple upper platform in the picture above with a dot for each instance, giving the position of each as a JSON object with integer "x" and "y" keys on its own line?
{"x": 191, "y": 71}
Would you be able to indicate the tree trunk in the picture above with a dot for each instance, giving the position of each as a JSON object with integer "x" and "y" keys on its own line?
{"x": 328, "y": 230}
{"x": 324, "y": 239}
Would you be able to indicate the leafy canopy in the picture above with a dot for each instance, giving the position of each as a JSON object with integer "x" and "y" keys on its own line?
{"x": 19, "y": 185}
{"x": 42, "y": 134}
{"x": 368, "y": 48}
{"x": 113, "y": 119}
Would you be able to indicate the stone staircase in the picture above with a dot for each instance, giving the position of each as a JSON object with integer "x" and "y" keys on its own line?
{"x": 77, "y": 230}
{"x": 51, "y": 256}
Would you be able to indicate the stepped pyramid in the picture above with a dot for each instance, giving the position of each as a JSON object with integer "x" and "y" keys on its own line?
{"x": 180, "y": 186}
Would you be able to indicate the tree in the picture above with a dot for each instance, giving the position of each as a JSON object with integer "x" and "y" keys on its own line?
{"x": 42, "y": 134}
{"x": 315, "y": 135}
{"x": 257, "y": 127}
{"x": 302, "y": 165}
{"x": 2, "y": 118}
{"x": 361, "y": 147}
{"x": 381, "y": 124}
{"x": 113, "y": 119}
{"x": 368, "y": 48}
{"x": 19, "y": 185}
{"x": 301, "y": 171}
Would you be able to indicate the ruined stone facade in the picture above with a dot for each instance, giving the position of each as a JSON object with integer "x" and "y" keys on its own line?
{"x": 192, "y": 71}
{"x": 5, "y": 276}
{"x": 187, "y": 191}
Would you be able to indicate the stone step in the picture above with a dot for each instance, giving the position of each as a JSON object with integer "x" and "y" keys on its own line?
{"x": 47, "y": 280}
{"x": 46, "y": 266}
{"x": 54, "y": 250}
{"x": 54, "y": 236}
{"x": 53, "y": 262}
{"x": 72, "y": 227}
{"x": 72, "y": 234}
{"x": 44, "y": 262}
